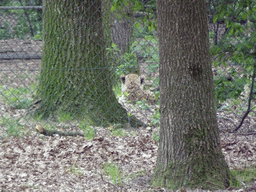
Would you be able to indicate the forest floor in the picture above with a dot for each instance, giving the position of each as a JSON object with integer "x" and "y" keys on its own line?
{"x": 111, "y": 161}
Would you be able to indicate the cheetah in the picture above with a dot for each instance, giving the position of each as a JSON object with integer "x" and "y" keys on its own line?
{"x": 132, "y": 86}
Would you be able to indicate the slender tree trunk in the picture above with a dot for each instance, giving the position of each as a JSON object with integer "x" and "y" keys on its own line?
{"x": 75, "y": 75}
{"x": 189, "y": 150}
{"x": 122, "y": 33}
{"x": 122, "y": 27}
{"x": 118, "y": 29}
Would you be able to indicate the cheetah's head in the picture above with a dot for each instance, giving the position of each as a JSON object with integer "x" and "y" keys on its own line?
{"x": 132, "y": 82}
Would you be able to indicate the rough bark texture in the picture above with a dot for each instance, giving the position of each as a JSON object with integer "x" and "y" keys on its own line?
{"x": 75, "y": 75}
{"x": 122, "y": 29}
{"x": 121, "y": 34}
{"x": 122, "y": 26}
{"x": 189, "y": 149}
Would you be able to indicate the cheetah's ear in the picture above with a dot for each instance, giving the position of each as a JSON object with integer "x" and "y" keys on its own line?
{"x": 123, "y": 79}
{"x": 142, "y": 80}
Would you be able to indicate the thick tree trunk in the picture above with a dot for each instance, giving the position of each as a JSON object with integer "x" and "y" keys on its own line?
{"x": 189, "y": 150}
{"x": 75, "y": 77}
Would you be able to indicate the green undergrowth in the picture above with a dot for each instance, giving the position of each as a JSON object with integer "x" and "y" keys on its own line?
{"x": 244, "y": 176}
{"x": 74, "y": 169}
{"x": 118, "y": 132}
{"x": 89, "y": 131}
{"x": 12, "y": 127}
{"x": 112, "y": 170}
{"x": 16, "y": 98}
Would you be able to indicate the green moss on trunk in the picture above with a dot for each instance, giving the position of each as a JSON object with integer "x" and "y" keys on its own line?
{"x": 75, "y": 76}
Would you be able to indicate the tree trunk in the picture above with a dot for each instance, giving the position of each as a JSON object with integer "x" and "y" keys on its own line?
{"x": 122, "y": 26}
{"x": 189, "y": 150}
{"x": 74, "y": 76}
{"x": 118, "y": 29}
{"x": 121, "y": 34}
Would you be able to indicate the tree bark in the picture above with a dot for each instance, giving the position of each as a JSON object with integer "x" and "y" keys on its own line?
{"x": 75, "y": 76}
{"x": 118, "y": 29}
{"x": 189, "y": 150}
{"x": 122, "y": 26}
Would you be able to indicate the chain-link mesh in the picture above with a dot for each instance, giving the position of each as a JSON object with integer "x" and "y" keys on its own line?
{"x": 96, "y": 69}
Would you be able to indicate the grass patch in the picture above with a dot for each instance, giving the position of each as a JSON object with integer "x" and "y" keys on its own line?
{"x": 74, "y": 169}
{"x": 17, "y": 98}
{"x": 65, "y": 117}
{"x": 155, "y": 121}
{"x": 117, "y": 89}
{"x": 38, "y": 118}
{"x": 244, "y": 176}
{"x": 143, "y": 104}
{"x": 13, "y": 127}
{"x": 118, "y": 132}
{"x": 156, "y": 136}
{"x": 89, "y": 131}
{"x": 133, "y": 176}
{"x": 113, "y": 171}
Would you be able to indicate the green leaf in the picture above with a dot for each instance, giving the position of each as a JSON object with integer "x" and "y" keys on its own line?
{"x": 137, "y": 25}
{"x": 113, "y": 45}
{"x": 113, "y": 8}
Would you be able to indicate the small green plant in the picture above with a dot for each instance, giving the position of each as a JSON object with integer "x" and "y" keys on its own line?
{"x": 38, "y": 37}
{"x": 16, "y": 97}
{"x": 39, "y": 31}
{"x": 117, "y": 90}
{"x": 27, "y": 21}
{"x": 119, "y": 132}
{"x": 156, "y": 137}
{"x": 148, "y": 48}
{"x": 141, "y": 30}
{"x": 157, "y": 94}
{"x": 5, "y": 31}
{"x": 113, "y": 171}
{"x": 225, "y": 89}
{"x": 129, "y": 63}
{"x": 65, "y": 117}
{"x": 245, "y": 176}
{"x": 155, "y": 121}
{"x": 74, "y": 170}
{"x": 13, "y": 127}
{"x": 38, "y": 118}
{"x": 135, "y": 175}
{"x": 152, "y": 68}
{"x": 21, "y": 29}
{"x": 30, "y": 186}
{"x": 143, "y": 104}
{"x": 89, "y": 132}
{"x": 126, "y": 63}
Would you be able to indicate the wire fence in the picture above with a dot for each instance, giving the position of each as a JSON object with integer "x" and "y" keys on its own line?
{"x": 133, "y": 44}
{"x": 119, "y": 73}
{"x": 132, "y": 53}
